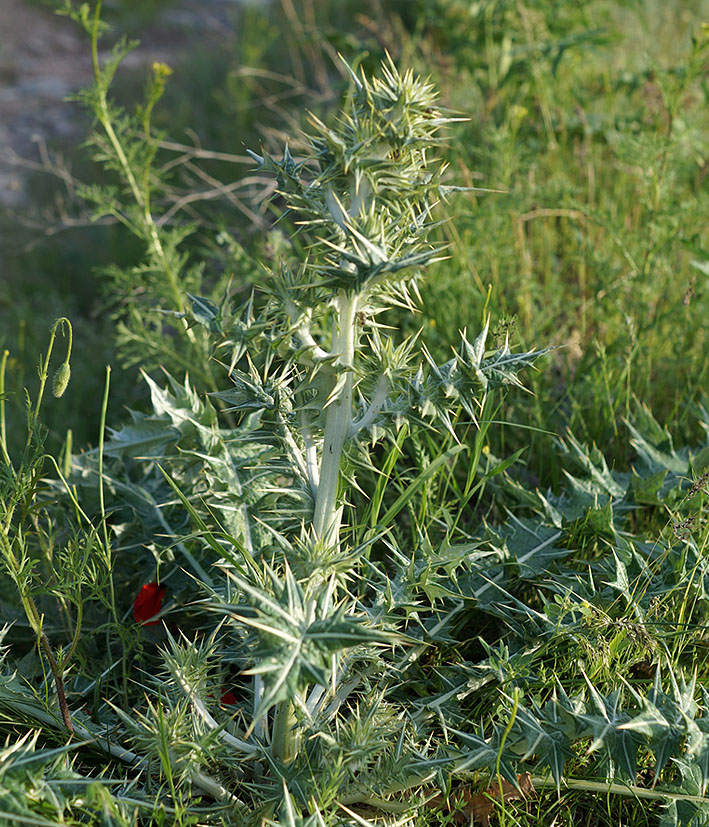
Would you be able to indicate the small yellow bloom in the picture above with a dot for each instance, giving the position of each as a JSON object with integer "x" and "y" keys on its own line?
{"x": 161, "y": 70}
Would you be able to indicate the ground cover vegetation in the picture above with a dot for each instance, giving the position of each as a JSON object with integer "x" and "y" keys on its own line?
{"x": 342, "y": 563}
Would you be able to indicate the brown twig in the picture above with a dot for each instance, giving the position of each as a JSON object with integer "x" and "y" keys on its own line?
{"x": 58, "y": 682}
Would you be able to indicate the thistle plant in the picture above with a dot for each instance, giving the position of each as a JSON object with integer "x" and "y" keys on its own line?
{"x": 318, "y": 381}
{"x": 317, "y": 375}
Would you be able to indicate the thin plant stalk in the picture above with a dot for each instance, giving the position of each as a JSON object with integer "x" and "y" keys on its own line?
{"x": 44, "y": 372}
{"x": 3, "y": 432}
{"x": 36, "y": 622}
{"x": 104, "y": 524}
{"x": 141, "y": 196}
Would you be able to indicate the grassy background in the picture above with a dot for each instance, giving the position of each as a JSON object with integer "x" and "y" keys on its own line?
{"x": 597, "y": 245}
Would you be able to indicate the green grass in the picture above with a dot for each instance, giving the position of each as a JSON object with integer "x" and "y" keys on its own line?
{"x": 598, "y": 243}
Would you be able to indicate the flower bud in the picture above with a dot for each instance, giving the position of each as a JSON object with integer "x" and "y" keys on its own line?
{"x": 61, "y": 379}
{"x": 161, "y": 70}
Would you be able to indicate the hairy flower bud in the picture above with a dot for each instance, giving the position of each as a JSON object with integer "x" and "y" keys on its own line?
{"x": 61, "y": 379}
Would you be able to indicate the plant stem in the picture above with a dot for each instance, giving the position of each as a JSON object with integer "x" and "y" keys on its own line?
{"x": 603, "y": 788}
{"x": 539, "y": 781}
{"x": 35, "y": 620}
{"x": 338, "y": 423}
{"x": 104, "y": 525}
{"x": 283, "y": 742}
{"x": 3, "y": 433}
{"x": 202, "y": 711}
{"x": 44, "y": 373}
{"x": 326, "y": 517}
{"x": 380, "y": 397}
{"x": 101, "y": 498}
{"x": 311, "y": 457}
{"x": 260, "y": 728}
{"x": 58, "y": 682}
{"x": 142, "y": 197}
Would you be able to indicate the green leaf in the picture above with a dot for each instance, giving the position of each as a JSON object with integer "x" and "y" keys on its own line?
{"x": 531, "y": 545}
{"x": 479, "y": 752}
{"x": 145, "y": 437}
{"x": 604, "y": 720}
{"x": 206, "y": 312}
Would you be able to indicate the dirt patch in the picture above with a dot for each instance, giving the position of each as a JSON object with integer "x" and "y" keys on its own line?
{"x": 42, "y": 59}
{"x": 45, "y": 57}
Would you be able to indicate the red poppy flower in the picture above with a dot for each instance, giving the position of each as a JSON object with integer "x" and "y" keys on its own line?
{"x": 148, "y": 603}
{"x": 228, "y": 698}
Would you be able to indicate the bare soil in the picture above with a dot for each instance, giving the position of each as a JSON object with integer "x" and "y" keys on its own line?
{"x": 44, "y": 58}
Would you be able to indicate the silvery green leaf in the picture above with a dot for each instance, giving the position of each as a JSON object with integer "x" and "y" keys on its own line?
{"x": 145, "y": 437}
{"x": 657, "y": 458}
{"x": 544, "y": 739}
{"x": 682, "y": 812}
{"x": 479, "y": 752}
{"x": 477, "y": 351}
{"x": 532, "y": 546}
{"x": 502, "y": 367}
{"x": 206, "y": 312}
{"x": 604, "y": 720}
{"x": 702, "y": 266}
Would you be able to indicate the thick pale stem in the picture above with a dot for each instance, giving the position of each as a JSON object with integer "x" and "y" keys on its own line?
{"x": 326, "y": 517}
{"x": 283, "y": 744}
{"x": 259, "y": 728}
{"x": 338, "y": 424}
{"x": 204, "y": 714}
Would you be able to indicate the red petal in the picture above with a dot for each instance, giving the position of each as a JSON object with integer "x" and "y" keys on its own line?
{"x": 229, "y": 698}
{"x": 148, "y": 603}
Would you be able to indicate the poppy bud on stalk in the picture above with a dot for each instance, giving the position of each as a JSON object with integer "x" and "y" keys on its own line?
{"x": 61, "y": 380}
